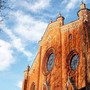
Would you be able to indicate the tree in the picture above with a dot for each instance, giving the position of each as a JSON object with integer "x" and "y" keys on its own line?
{"x": 4, "y": 7}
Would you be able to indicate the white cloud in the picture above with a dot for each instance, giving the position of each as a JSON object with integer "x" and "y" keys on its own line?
{"x": 39, "y": 4}
{"x": 33, "y": 5}
{"x": 28, "y": 27}
{"x": 19, "y": 45}
{"x": 19, "y": 84}
{"x": 64, "y": 1}
{"x": 6, "y": 55}
{"x": 71, "y": 4}
{"x": 16, "y": 42}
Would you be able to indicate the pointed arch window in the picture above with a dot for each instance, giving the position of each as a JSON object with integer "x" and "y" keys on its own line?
{"x": 32, "y": 86}
{"x": 46, "y": 86}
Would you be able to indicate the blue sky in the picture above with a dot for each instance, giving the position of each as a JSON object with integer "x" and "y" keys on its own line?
{"x": 21, "y": 30}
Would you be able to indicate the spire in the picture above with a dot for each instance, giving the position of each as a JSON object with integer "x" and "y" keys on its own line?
{"x": 83, "y": 13}
{"x": 83, "y": 5}
{"x": 26, "y": 72}
{"x": 28, "y": 68}
{"x": 82, "y": 2}
{"x": 60, "y": 19}
{"x": 50, "y": 20}
{"x": 59, "y": 14}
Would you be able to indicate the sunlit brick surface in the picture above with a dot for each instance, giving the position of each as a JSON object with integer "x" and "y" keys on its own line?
{"x": 64, "y": 41}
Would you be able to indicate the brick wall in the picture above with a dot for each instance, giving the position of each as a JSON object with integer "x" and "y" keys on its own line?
{"x": 64, "y": 41}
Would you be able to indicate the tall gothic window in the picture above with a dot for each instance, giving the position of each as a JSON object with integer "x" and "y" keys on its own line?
{"x": 32, "y": 86}
{"x": 46, "y": 86}
{"x": 74, "y": 62}
{"x": 50, "y": 61}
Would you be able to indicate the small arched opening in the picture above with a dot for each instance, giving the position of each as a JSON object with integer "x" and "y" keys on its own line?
{"x": 32, "y": 86}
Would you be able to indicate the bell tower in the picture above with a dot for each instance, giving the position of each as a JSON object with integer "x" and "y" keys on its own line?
{"x": 82, "y": 6}
{"x": 60, "y": 19}
{"x": 84, "y": 17}
{"x": 84, "y": 13}
{"x": 26, "y": 73}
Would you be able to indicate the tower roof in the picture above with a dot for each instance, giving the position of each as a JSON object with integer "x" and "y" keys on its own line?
{"x": 83, "y": 5}
{"x": 59, "y": 14}
{"x": 28, "y": 68}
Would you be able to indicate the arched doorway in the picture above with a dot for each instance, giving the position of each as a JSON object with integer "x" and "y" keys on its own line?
{"x": 45, "y": 87}
{"x": 70, "y": 85}
{"x": 73, "y": 60}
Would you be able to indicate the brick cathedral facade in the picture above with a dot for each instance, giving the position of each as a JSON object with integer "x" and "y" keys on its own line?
{"x": 63, "y": 59}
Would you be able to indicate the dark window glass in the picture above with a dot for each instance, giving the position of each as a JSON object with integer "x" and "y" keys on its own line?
{"x": 50, "y": 62}
{"x": 74, "y": 62}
